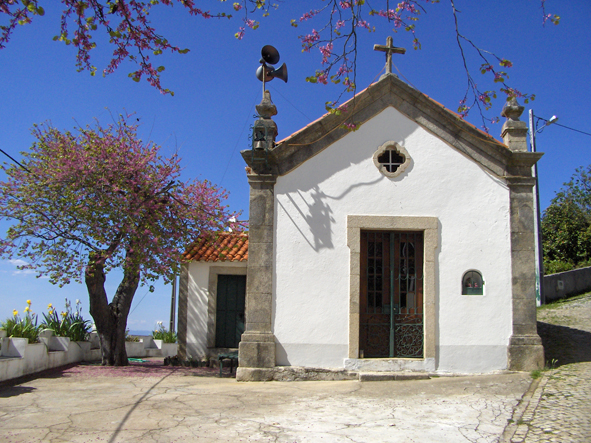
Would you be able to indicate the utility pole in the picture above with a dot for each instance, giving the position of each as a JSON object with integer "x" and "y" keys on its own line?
{"x": 540, "y": 299}
{"x": 173, "y": 306}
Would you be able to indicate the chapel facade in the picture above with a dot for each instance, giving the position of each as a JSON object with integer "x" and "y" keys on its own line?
{"x": 405, "y": 245}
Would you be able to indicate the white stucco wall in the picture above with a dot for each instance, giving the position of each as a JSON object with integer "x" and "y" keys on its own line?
{"x": 311, "y": 279}
{"x": 198, "y": 304}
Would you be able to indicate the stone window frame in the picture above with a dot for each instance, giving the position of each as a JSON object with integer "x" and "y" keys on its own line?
{"x": 212, "y": 293}
{"x": 392, "y": 146}
{"x": 430, "y": 228}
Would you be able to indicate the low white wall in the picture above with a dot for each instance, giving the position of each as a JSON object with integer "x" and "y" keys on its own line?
{"x": 18, "y": 357}
{"x": 148, "y": 347}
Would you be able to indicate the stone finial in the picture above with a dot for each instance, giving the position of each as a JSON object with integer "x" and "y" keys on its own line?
{"x": 266, "y": 108}
{"x": 514, "y": 131}
{"x": 512, "y": 109}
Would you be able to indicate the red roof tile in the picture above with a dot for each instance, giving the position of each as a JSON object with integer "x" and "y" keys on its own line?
{"x": 225, "y": 247}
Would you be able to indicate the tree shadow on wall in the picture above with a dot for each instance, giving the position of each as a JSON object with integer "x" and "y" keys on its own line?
{"x": 318, "y": 214}
{"x": 318, "y": 217}
{"x": 320, "y": 220}
{"x": 564, "y": 345}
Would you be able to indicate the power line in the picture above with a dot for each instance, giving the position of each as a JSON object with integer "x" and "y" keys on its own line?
{"x": 563, "y": 126}
{"x": 293, "y": 106}
{"x": 10, "y": 157}
{"x": 572, "y": 129}
{"x": 150, "y": 289}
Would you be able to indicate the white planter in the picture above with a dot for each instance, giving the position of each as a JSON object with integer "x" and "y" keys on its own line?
{"x": 169, "y": 349}
{"x": 148, "y": 341}
{"x": 95, "y": 342}
{"x": 3, "y": 334}
{"x": 36, "y": 358}
{"x": 14, "y": 347}
{"x": 46, "y": 333}
{"x": 78, "y": 350}
{"x": 135, "y": 349}
{"x": 57, "y": 344}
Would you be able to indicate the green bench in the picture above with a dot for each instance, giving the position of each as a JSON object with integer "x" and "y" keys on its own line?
{"x": 232, "y": 356}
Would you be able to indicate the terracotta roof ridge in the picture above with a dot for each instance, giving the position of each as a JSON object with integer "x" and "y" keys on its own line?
{"x": 223, "y": 246}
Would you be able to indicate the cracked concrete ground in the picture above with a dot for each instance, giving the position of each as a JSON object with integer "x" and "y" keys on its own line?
{"x": 174, "y": 408}
{"x": 174, "y": 405}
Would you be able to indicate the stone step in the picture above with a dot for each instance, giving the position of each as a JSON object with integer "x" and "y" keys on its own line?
{"x": 390, "y": 376}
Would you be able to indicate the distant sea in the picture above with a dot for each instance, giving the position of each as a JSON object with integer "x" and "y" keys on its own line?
{"x": 139, "y": 332}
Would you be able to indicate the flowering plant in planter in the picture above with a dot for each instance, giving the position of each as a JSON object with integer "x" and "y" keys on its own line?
{"x": 25, "y": 327}
{"x": 131, "y": 338}
{"x": 68, "y": 323}
{"x": 163, "y": 334}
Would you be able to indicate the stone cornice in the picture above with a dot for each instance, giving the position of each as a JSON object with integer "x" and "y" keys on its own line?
{"x": 520, "y": 181}
{"x": 391, "y": 91}
{"x": 261, "y": 178}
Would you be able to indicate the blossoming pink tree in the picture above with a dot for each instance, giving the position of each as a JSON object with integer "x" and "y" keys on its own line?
{"x": 335, "y": 25}
{"x": 86, "y": 202}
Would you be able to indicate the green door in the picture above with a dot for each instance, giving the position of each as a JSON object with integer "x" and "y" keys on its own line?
{"x": 230, "y": 310}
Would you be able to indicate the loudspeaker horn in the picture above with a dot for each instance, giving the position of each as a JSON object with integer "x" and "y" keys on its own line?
{"x": 270, "y": 54}
{"x": 280, "y": 73}
{"x": 271, "y": 73}
{"x": 267, "y": 70}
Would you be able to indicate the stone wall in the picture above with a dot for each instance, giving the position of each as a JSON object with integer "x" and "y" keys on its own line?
{"x": 566, "y": 284}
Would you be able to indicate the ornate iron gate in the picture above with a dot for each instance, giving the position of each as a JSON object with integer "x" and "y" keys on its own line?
{"x": 391, "y": 294}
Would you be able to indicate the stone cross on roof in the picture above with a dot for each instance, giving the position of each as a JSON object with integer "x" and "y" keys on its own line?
{"x": 389, "y": 49}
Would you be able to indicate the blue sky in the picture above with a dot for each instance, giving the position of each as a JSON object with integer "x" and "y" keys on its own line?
{"x": 215, "y": 87}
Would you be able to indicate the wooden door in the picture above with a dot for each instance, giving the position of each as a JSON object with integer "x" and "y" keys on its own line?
{"x": 391, "y": 294}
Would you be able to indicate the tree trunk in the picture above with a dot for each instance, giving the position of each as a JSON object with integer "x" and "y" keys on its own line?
{"x": 111, "y": 318}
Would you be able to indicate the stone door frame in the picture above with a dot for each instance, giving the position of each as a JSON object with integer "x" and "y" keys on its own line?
{"x": 214, "y": 272}
{"x": 430, "y": 228}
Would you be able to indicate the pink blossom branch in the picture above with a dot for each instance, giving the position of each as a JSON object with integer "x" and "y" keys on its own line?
{"x": 482, "y": 99}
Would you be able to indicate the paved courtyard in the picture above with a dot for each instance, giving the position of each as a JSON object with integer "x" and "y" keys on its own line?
{"x": 560, "y": 407}
{"x": 151, "y": 403}
{"x": 73, "y": 407}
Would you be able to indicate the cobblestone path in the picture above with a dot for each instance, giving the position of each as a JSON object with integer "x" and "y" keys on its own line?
{"x": 559, "y": 409}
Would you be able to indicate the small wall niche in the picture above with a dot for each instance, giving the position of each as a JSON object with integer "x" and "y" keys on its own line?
{"x": 472, "y": 283}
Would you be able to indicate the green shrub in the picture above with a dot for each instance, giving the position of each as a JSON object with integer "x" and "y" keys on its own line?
{"x": 68, "y": 323}
{"x": 584, "y": 264}
{"x": 25, "y": 327}
{"x": 162, "y": 334}
{"x": 555, "y": 266}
